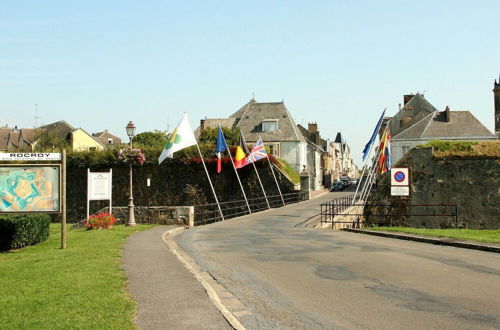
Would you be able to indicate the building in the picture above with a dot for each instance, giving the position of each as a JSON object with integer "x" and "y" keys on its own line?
{"x": 270, "y": 121}
{"x": 77, "y": 138}
{"x": 419, "y": 122}
{"x": 107, "y": 139}
{"x": 26, "y": 139}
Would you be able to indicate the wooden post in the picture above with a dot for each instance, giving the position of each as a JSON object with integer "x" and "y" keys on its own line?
{"x": 63, "y": 201}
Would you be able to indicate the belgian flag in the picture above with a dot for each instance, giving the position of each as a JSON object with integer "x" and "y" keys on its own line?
{"x": 240, "y": 159}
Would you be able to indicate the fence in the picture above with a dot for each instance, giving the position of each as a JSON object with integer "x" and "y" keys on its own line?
{"x": 208, "y": 213}
{"x": 357, "y": 215}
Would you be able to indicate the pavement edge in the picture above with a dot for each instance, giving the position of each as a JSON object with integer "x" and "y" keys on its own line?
{"x": 192, "y": 267}
{"x": 429, "y": 240}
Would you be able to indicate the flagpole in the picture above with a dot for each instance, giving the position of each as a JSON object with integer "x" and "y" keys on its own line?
{"x": 275, "y": 180}
{"x": 369, "y": 182}
{"x": 258, "y": 176}
{"x": 209, "y": 180}
{"x": 235, "y": 171}
{"x": 366, "y": 162}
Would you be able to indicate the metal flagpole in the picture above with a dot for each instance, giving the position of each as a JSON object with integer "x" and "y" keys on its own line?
{"x": 366, "y": 162}
{"x": 370, "y": 181}
{"x": 275, "y": 180}
{"x": 235, "y": 171}
{"x": 210, "y": 181}
{"x": 258, "y": 176}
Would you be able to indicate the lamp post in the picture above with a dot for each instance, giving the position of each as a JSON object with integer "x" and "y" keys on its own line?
{"x": 131, "y": 218}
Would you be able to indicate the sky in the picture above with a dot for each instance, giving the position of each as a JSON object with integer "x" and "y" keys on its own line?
{"x": 100, "y": 64}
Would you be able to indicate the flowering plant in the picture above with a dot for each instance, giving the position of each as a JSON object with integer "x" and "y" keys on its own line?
{"x": 132, "y": 155}
{"x": 100, "y": 220}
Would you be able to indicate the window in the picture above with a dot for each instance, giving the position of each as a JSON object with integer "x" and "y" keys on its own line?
{"x": 273, "y": 149}
{"x": 270, "y": 125}
{"x": 110, "y": 141}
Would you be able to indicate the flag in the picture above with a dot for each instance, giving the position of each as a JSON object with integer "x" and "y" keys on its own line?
{"x": 221, "y": 146}
{"x": 258, "y": 152}
{"x": 388, "y": 162}
{"x": 384, "y": 150}
{"x": 240, "y": 159}
{"x": 366, "y": 150}
{"x": 182, "y": 137}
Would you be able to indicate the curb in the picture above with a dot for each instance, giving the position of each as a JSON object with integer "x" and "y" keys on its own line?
{"x": 429, "y": 240}
{"x": 174, "y": 248}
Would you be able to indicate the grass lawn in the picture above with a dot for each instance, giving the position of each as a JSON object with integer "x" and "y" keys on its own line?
{"x": 83, "y": 286}
{"x": 484, "y": 235}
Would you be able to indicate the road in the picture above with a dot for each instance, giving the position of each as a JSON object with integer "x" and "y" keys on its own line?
{"x": 278, "y": 276}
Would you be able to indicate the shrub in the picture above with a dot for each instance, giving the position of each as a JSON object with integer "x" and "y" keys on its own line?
{"x": 101, "y": 220}
{"x": 19, "y": 230}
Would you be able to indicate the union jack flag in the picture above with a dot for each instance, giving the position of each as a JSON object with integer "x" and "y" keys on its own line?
{"x": 258, "y": 152}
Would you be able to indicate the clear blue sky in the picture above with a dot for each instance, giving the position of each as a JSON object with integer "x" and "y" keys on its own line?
{"x": 99, "y": 64}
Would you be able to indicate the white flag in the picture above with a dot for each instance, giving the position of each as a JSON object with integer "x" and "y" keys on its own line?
{"x": 182, "y": 137}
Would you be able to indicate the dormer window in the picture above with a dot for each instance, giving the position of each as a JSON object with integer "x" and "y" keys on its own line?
{"x": 269, "y": 125}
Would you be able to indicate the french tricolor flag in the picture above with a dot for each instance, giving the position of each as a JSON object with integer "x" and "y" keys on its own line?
{"x": 221, "y": 146}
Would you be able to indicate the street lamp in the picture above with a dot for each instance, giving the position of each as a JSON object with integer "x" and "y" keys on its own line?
{"x": 131, "y": 218}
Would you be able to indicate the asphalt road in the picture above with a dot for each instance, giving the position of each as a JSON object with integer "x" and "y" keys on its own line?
{"x": 286, "y": 277}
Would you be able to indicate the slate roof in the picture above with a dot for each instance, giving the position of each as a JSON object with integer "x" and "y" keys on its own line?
{"x": 309, "y": 137}
{"x": 252, "y": 115}
{"x": 4, "y": 137}
{"x": 417, "y": 108}
{"x": 103, "y": 137}
{"x": 462, "y": 124}
{"x": 59, "y": 129}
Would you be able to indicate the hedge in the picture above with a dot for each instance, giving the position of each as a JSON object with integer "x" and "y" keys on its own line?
{"x": 19, "y": 230}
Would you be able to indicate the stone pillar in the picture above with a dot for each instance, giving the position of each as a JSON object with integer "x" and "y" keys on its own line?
{"x": 305, "y": 185}
{"x": 184, "y": 215}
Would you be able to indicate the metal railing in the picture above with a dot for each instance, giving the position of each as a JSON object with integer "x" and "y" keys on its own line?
{"x": 384, "y": 214}
{"x": 209, "y": 213}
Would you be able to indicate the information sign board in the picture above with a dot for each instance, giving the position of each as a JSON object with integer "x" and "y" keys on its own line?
{"x": 33, "y": 188}
{"x": 99, "y": 186}
{"x": 400, "y": 191}
{"x": 43, "y": 156}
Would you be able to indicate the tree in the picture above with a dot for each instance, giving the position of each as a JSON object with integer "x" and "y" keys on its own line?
{"x": 156, "y": 139}
{"x": 47, "y": 142}
{"x": 209, "y": 135}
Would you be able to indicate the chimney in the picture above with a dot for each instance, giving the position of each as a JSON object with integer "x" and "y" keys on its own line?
{"x": 202, "y": 125}
{"x": 312, "y": 127}
{"x": 407, "y": 98}
{"x": 447, "y": 115}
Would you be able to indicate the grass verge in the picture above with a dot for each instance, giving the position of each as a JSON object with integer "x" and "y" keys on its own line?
{"x": 83, "y": 286}
{"x": 484, "y": 235}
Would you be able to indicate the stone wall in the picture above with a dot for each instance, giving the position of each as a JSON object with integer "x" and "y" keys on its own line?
{"x": 175, "y": 182}
{"x": 473, "y": 184}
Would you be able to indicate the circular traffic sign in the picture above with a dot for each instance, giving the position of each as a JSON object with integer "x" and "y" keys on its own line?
{"x": 399, "y": 176}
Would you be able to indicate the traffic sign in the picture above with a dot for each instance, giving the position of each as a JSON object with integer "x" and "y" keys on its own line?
{"x": 400, "y": 176}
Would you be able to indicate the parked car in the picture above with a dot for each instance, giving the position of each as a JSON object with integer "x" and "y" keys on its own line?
{"x": 345, "y": 182}
{"x": 354, "y": 181}
{"x": 337, "y": 186}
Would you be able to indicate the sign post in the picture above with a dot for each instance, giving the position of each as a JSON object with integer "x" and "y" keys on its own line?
{"x": 400, "y": 181}
{"x": 99, "y": 187}
{"x": 34, "y": 188}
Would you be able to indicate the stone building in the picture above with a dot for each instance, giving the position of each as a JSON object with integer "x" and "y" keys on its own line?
{"x": 419, "y": 122}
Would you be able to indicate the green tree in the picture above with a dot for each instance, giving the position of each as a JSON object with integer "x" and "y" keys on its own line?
{"x": 46, "y": 142}
{"x": 209, "y": 135}
{"x": 155, "y": 139}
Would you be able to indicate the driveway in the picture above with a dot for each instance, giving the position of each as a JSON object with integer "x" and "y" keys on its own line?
{"x": 285, "y": 277}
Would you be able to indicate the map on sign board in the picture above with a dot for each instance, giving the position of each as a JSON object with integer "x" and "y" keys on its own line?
{"x": 29, "y": 189}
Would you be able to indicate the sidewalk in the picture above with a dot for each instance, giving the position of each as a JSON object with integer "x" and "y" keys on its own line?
{"x": 167, "y": 294}
{"x": 490, "y": 247}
